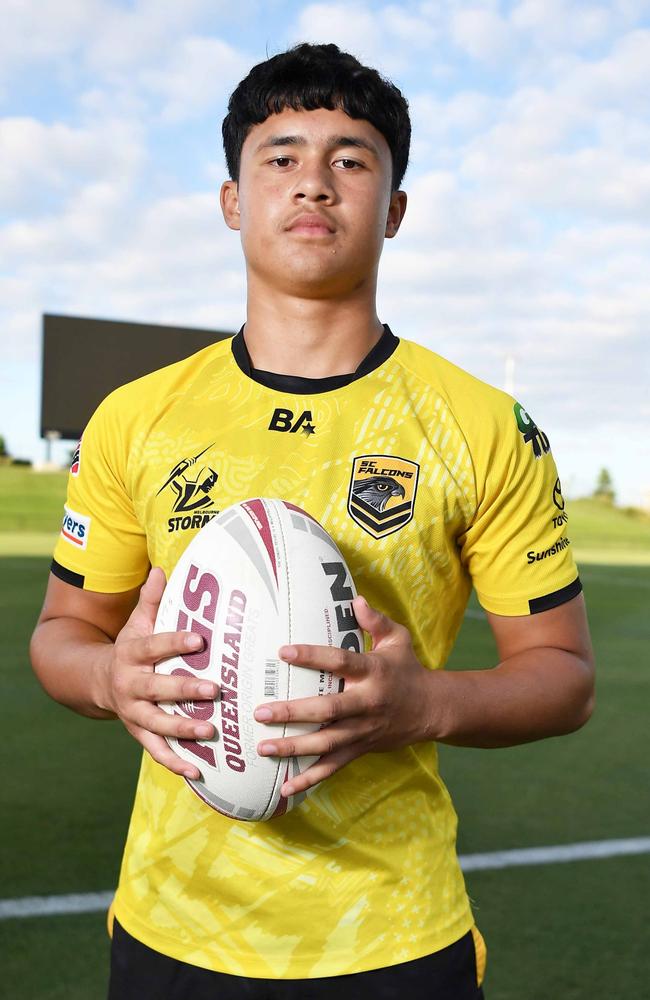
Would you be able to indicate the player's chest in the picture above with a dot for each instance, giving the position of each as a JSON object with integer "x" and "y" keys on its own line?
{"x": 370, "y": 475}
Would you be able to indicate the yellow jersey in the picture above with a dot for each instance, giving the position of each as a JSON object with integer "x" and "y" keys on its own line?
{"x": 431, "y": 482}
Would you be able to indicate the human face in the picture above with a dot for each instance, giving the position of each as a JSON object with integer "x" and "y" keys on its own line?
{"x": 313, "y": 203}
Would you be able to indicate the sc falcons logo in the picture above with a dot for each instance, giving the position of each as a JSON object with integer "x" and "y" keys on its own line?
{"x": 382, "y": 493}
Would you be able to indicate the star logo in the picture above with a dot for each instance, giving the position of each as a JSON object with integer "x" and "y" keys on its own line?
{"x": 308, "y": 429}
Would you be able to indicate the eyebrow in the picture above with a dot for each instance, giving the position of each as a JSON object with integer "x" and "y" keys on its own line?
{"x": 334, "y": 142}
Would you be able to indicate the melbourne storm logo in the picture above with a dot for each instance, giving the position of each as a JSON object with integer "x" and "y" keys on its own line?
{"x": 382, "y": 493}
{"x": 192, "y": 486}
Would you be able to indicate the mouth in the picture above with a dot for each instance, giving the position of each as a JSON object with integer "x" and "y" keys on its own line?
{"x": 311, "y": 225}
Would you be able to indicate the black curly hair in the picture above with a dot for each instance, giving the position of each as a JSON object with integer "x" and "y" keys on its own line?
{"x": 308, "y": 77}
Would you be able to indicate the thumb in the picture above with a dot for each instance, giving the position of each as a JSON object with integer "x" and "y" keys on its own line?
{"x": 380, "y": 627}
{"x": 151, "y": 595}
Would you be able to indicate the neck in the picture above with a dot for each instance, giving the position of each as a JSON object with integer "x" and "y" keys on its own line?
{"x": 309, "y": 337}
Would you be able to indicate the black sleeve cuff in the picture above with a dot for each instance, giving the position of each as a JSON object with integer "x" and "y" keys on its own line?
{"x": 76, "y": 579}
{"x": 556, "y": 598}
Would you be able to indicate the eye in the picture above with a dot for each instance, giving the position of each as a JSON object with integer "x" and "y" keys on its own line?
{"x": 281, "y": 161}
{"x": 347, "y": 163}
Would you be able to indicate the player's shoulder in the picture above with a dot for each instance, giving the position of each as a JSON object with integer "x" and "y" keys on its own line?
{"x": 475, "y": 404}
{"x": 144, "y": 395}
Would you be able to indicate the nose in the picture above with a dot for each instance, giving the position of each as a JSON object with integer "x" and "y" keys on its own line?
{"x": 314, "y": 184}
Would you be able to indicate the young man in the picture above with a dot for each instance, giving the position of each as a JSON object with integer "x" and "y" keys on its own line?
{"x": 429, "y": 480}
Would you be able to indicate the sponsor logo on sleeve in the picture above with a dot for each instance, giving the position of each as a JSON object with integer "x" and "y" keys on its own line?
{"x": 75, "y": 528}
{"x": 553, "y": 550}
{"x": 382, "y": 493}
{"x": 561, "y": 517}
{"x": 76, "y": 460}
{"x": 531, "y": 432}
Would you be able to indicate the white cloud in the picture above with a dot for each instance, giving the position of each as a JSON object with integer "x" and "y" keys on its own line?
{"x": 481, "y": 33}
{"x": 385, "y": 37}
{"x": 561, "y": 23}
{"x": 106, "y": 36}
{"x": 40, "y": 161}
{"x": 200, "y": 72}
{"x": 33, "y": 31}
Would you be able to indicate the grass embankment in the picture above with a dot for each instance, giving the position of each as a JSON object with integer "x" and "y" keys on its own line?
{"x": 31, "y": 505}
{"x": 31, "y": 508}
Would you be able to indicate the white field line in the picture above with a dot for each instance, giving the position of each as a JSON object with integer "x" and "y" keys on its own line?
{"x": 554, "y": 855}
{"x": 95, "y": 902}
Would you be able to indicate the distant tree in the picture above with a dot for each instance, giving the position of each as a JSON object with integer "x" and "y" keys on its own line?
{"x": 3, "y": 448}
{"x": 604, "y": 487}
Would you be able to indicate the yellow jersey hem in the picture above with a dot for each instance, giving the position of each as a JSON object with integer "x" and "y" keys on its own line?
{"x": 252, "y": 965}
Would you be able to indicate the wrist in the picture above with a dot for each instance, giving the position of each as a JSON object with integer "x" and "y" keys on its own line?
{"x": 435, "y": 707}
{"x": 102, "y": 688}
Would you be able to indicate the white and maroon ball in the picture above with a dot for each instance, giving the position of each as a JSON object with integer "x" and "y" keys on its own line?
{"x": 259, "y": 575}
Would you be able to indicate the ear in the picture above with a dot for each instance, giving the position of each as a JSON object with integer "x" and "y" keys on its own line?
{"x": 229, "y": 199}
{"x": 396, "y": 211}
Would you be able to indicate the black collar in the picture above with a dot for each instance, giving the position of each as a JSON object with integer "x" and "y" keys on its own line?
{"x": 297, "y": 384}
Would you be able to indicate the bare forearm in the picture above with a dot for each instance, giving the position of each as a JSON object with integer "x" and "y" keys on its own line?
{"x": 531, "y": 695}
{"x": 70, "y": 658}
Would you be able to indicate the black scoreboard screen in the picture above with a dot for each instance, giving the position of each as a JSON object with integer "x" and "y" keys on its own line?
{"x": 85, "y": 359}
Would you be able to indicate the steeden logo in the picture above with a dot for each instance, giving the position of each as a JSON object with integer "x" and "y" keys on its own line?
{"x": 382, "y": 493}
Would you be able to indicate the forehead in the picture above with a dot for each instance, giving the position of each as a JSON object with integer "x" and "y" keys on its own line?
{"x": 321, "y": 127}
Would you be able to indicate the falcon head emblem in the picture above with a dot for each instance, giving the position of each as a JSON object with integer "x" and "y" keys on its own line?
{"x": 377, "y": 490}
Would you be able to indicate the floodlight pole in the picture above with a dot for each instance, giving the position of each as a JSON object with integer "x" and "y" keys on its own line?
{"x": 50, "y": 436}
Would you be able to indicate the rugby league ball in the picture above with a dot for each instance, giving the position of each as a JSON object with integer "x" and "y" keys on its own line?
{"x": 259, "y": 575}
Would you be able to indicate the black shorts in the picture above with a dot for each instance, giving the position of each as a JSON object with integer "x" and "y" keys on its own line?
{"x": 139, "y": 973}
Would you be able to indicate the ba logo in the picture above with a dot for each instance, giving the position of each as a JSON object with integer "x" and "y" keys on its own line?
{"x": 192, "y": 490}
{"x": 382, "y": 493}
{"x": 531, "y": 432}
{"x": 283, "y": 420}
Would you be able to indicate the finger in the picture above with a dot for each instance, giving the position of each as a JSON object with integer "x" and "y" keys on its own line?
{"x": 153, "y": 648}
{"x": 149, "y": 718}
{"x": 332, "y": 658}
{"x": 143, "y": 616}
{"x": 324, "y": 709}
{"x": 318, "y": 744}
{"x": 322, "y": 769}
{"x": 154, "y": 687}
{"x": 379, "y": 626}
{"x": 151, "y": 593}
{"x": 162, "y": 753}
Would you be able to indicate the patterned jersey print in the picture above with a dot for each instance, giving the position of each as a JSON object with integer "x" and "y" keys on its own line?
{"x": 430, "y": 482}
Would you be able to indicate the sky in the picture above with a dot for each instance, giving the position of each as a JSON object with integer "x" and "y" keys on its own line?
{"x": 527, "y": 234}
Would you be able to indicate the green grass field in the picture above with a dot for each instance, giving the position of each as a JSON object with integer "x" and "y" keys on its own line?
{"x": 573, "y": 931}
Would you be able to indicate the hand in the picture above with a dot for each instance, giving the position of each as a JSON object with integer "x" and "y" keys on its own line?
{"x": 134, "y": 688}
{"x": 384, "y": 705}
